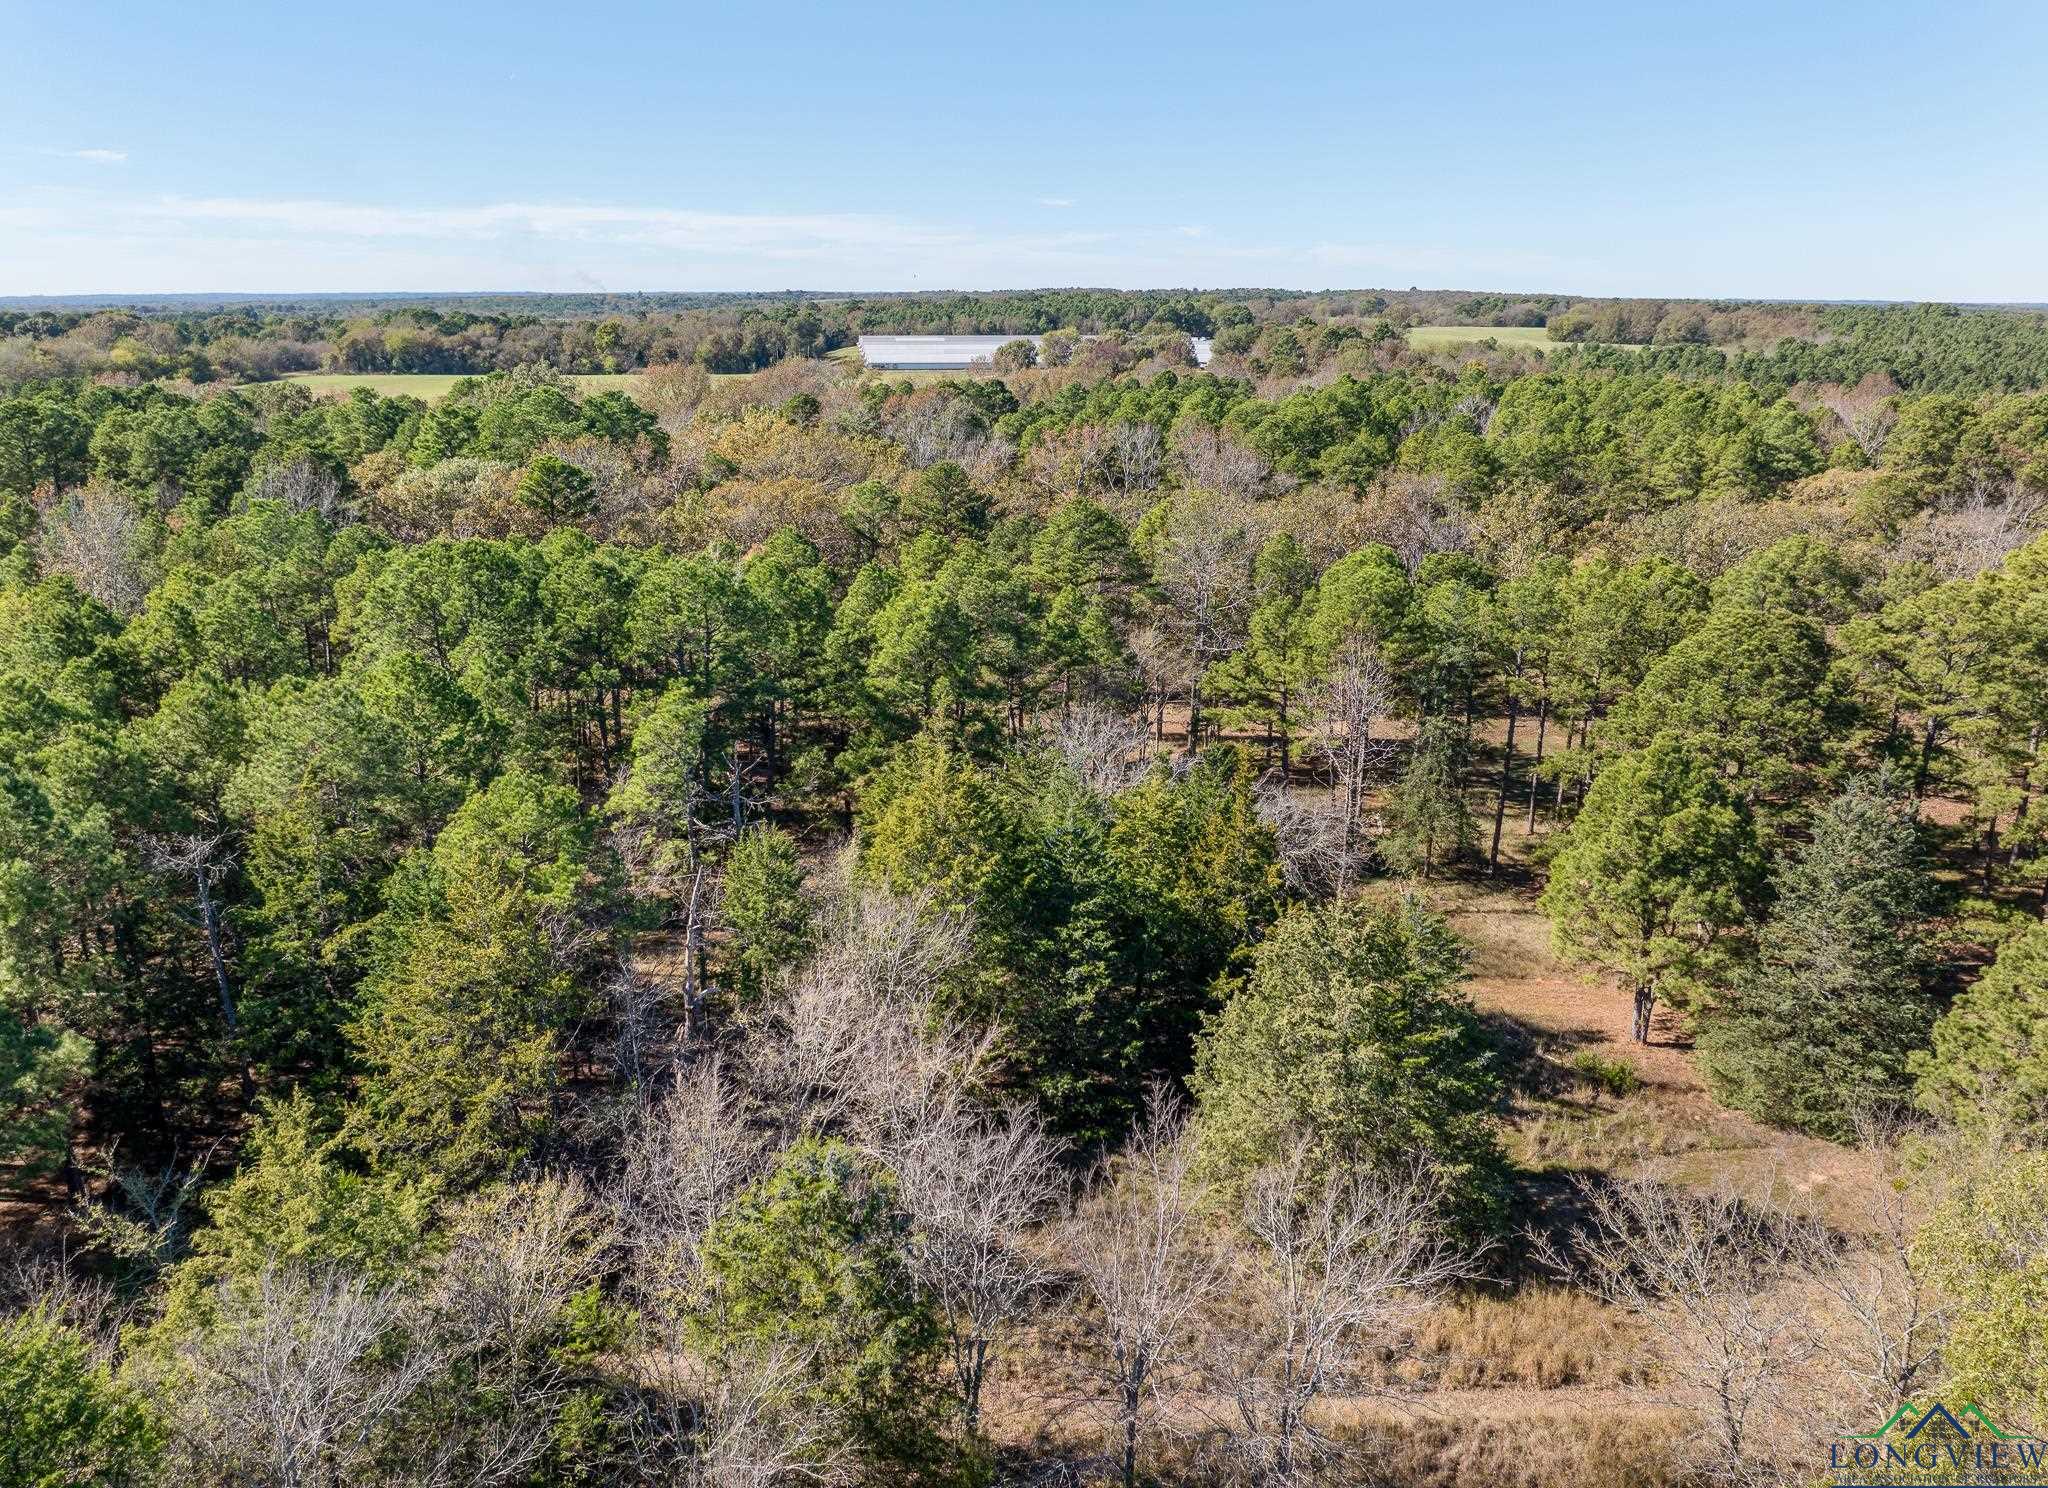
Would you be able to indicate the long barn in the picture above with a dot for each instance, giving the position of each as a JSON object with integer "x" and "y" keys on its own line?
{"x": 932, "y": 353}
{"x": 957, "y": 353}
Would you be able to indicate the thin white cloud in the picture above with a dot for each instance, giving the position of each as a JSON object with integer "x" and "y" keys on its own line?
{"x": 76, "y": 242}
{"x": 96, "y": 157}
{"x": 1055, "y": 201}
{"x": 775, "y": 234}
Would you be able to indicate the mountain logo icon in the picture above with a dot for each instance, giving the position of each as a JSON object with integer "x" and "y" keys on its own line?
{"x": 1922, "y": 1419}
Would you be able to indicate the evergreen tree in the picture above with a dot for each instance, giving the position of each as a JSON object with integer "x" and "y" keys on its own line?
{"x": 463, "y": 1026}
{"x": 1827, "y": 1017}
{"x": 765, "y": 908}
{"x": 814, "y": 1255}
{"x": 1657, "y": 872}
{"x": 1989, "y": 1060}
{"x": 40, "y": 1071}
{"x": 1352, "y": 1032}
{"x": 1203, "y": 874}
{"x": 558, "y": 491}
{"x": 64, "y": 1421}
{"x": 1429, "y": 820}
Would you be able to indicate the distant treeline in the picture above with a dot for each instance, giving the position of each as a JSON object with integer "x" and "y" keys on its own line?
{"x": 1929, "y": 348}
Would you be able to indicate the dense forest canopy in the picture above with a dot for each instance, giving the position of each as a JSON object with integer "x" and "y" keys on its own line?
{"x": 806, "y": 926}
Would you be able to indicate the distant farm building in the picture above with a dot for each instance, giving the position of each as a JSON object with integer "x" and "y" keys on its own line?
{"x": 956, "y": 353}
{"x": 932, "y": 353}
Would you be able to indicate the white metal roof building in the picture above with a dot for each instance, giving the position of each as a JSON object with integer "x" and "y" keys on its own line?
{"x": 956, "y": 353}
{"x": 932, "y": 353}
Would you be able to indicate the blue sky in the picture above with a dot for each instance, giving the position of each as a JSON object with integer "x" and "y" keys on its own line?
{"x": 1835, "y": 150}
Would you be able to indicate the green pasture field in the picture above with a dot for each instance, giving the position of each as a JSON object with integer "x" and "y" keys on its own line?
{"x": 1534, "y": 338}
{"x": 429, "y": 386}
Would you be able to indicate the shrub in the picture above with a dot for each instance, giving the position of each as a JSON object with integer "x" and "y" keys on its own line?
{"x": 1616, "y": 1079}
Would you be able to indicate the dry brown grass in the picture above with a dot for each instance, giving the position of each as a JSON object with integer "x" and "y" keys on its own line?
{"x": 1532, "y": 1448}
{"x": 1540, "y": 1337}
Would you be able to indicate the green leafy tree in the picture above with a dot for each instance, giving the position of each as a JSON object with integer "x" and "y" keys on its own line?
{"x": 666, "y": 788}
{"x": 1352, "y": 1033}
{"x": 1362, "y": 605}
{"x": 1982, "y": 1248}
{"x": 1656, "y": 875}
{"x": 942, "y": 498}
{"x": 1204, "y": 870}
{"x": 765, "y": 908}
{"x": 1989, "y": 1060}
{"x": 1826, "y": 1019}
{"x": 559, "y": 491}
{"x": 302, "y": 1195}
{"x": 42, "y": 1070}
{"x": 64, "y": 1421}
{"x": 1262, "y": 683}
{"x": 1429, "y": 820}
{"x": 463, "y": 1027}
{"x": 1084, "y": 1009}
{"x": 1750, "y": 690}
{"x": 1923, "y": 658}
{"x": 815, "y": 1255}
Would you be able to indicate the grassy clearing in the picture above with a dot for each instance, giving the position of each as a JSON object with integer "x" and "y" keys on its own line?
{"x": 1527, "y": 338}
{"x": 431, "y": 386}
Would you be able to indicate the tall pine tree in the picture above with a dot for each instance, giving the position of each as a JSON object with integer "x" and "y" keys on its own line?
{"x": 1824, "y": 1021}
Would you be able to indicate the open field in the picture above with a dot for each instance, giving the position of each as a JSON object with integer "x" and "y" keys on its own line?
{"x": 1529, "y": 338}
{"x": 433, "y": 385}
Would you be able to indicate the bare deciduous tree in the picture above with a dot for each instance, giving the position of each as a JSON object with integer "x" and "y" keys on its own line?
{"x": 1867, "y": 411}
{"x": 303, "y": 486}
{"x": 297, "y": 1381}
{"x": 1730, "y": 1336}
{"x": 1135, "y": 455}
{"x": 685, "y": 1159}
{"x": 857, "y": 1038}
{"x": 515, "y": 1258}
{"x": 1341, "y": 712}
{"x": 1308, "y": 833}
{"x": 643, "y": 1034}
{"x": 144, "y": 1221}
{"x": 93, "y": 536}
{"x": 934, "y": 425}
{"x": 1211, "y": 460}
{"x": 974, "y": 1183}
{"x": 1108, "y": 751}
{"x": 1203, "y": 569}
{"x": 1884, "y": 1322}
{"x": 1417, "y": 515}
{"x": 744, "y": 1424}
{"x": 1344, "y": 1264}
{"x": 1149, "y": 1270}
{"x": 1980, "y": 531}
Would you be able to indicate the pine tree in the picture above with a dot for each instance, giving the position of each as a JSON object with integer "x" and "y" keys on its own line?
{"x": 1656, "y": 874}
{"x": 1429, "y": 818}
{"x": 1826, "y": 1018}
{"x": 559, "y": 491}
